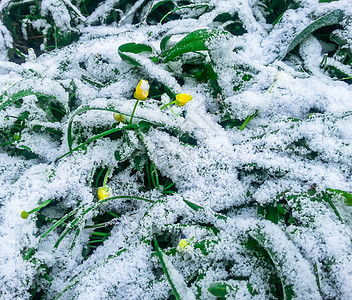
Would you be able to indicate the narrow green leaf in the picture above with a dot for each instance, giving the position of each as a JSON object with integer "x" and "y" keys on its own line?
{"x": 84, "y": 109}
{"x": 197, "y": 207}
{"x": 98, "y": 136}
{"x": 247, "y": 120}
{"x": 19, "y": 95}
{"x": 184, "y": 7}
{"x": 58, "y": 223}
{"x": 77, "y": 112}
{"x": 332, "y": 18}
{"x": 192, "y": 205}
{"x": 76, "y": 279}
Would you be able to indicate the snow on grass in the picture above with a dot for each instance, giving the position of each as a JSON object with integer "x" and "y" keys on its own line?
{"x": 254, "y": 172}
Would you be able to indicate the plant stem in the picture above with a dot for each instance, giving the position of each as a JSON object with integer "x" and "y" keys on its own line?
{"x": 173, "y": 112}
{"x": 246, "y": 121}
{"x": 106, "y": 177}
{"x": 134, "y": 109}
{"x": 166, "y": 105}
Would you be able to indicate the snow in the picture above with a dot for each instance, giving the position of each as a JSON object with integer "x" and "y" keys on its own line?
{"x": 300, "y": 138}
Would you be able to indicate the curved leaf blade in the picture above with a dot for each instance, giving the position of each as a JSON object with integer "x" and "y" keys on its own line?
{"x": 332, "y": 18}
{"x": 195, "y": 41}
{"x": 135, "y": 49}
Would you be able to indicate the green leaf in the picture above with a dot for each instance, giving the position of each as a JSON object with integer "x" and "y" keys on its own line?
{"x": 135, "y": 49}
{"x": 346, "y": 195}
{"x": 98, "y": 136}
{"x": 184, "y": 7}
{"x": 83, "y": 109}
{"x": 331, "y": 18}
{"x": 76, "y": 279}
{"x": 197, "y": 207}
{"x": 164, "y": 41}
{"x": 192, "y": 205}
{"x": 247, "y": 120}
{"x": 287, "y": 260}
{"x": 221, "y": 288}
{"x": 156, "y": 5}
{"x": 195, "y": 41}
{"x": 19, "y": 95}
{"x": 218, "y": 289}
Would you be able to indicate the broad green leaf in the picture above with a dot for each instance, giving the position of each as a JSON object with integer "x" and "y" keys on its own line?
{"x": 332, "y": 18}
{"x": 164, "y": 41}
{"x": 125, "y": 49}
{"x": 195, "y": 41}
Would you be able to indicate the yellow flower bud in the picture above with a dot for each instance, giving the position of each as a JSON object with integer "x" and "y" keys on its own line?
{"x": 103, "y": 192}
{"x": 119, "y": 118}
{"x": 142, "y": 90}
{"x": 24, "y": 214}
{"x": 182, "y": 99}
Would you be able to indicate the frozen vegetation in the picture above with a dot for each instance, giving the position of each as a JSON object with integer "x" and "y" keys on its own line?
{"x": 243, "y": 192}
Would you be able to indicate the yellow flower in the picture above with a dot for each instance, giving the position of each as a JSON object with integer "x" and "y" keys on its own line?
{"x": 24, "y": 214}
{"x": 119, "y": 118}
{"x": 182, "y": 245}
{"x": 182, "y": 99}
{"x": 103, "y": 192}
{"x": 142, "y": 90}
{"x": 185, "y": 245}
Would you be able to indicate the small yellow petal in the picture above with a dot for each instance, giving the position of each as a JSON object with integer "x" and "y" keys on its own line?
{"x": 119, "y": 118}
{"x": 182, "y": 99}
{"x": 24, "y": 214}
{"x": 142, "y": 90}
{"x": 103, "y": 192}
